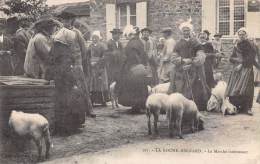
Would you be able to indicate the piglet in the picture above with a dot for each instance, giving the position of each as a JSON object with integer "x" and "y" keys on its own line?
{"x": 35, "y": 126}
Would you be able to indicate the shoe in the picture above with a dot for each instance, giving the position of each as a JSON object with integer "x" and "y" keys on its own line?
{"x": 93, "y": 115}
{"x": 250, "y": 113}
{"x": 104, "y": 104}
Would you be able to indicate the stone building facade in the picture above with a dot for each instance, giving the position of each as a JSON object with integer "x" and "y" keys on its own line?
{"x": 155, "y": 14}
{"x": 224, "y": 16}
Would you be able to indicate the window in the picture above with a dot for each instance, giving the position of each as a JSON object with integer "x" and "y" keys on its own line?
{"x": 126, "y": 14}
{"x": 231, "y": 16}
{"x": 253, "y": 5}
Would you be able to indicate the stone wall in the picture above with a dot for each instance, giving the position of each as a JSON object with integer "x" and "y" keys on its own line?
{"x": 171, "y": 13}
{"x": 97, "y": 19}
{"x": 160, "y": 13}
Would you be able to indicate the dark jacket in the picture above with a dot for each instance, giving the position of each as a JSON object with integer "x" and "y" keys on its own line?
{"x": 115, "y": 58}
{"x": 21, "y": 41}
{"x": 132, "y": 85}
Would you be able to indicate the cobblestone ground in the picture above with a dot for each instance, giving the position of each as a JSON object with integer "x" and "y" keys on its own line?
{"x": 226, "y": 139}
{"x": 113, "y": 128}
{"x": 116, "y": 127}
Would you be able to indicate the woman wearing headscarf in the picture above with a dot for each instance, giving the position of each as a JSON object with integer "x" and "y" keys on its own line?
{"x": 210, "y": 58}
{"x": 71, "y": 85}
{"x": 132, "y": 85}
{"x": 188, "y": 73}
{"x": 240, "y": 89}
{"x": 99, "y": 78}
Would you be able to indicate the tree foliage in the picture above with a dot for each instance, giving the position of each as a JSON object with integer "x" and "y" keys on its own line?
{"x": 30, "y": 8}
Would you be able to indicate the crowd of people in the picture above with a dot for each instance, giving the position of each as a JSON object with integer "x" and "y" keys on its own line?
{"x": 82, "y": 73}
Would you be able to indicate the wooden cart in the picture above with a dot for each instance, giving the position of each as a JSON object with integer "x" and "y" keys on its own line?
{"x": 27, "y": 95}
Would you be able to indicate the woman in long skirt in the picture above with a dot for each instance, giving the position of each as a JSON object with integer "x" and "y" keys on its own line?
{"x": 132, "y": 84}
{"x": 240, "y": 89}
{"x": 99, "y": 79}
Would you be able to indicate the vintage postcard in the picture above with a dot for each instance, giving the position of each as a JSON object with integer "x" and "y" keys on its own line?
{"x": 130, "y": 81}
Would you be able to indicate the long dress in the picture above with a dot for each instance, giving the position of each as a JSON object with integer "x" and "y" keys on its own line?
{"x": 99, "y": 79}
{"x": 132, "y": 85}
{"x": 192, "y": 82}
{"x": 72, "y": 88}
{"x": 70, "y": 106}
{"x": 209, "y": 63}
{"x": 240, "y": 88}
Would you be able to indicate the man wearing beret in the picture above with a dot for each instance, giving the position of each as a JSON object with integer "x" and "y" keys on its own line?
{"x": 165, "y": 56}
{"x": 37, "y": 59}
{"x": 150, "y": 49}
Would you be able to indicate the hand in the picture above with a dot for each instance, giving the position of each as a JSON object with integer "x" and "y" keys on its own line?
{"x": 176, "y": 60}
{"x": 238, "y": 67}
{"x": 187, "y": 61}
{"x": 186, "y": 67}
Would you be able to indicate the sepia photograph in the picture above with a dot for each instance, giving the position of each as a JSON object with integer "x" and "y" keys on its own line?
{"x": 130, "y": 81}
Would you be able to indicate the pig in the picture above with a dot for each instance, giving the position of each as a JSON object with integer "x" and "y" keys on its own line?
{"x": 154, "y": 104}
{"x": 113, "y": 95}
{"x": 161, "y": 88}
{"x": 180, "y": 108}
{"x": 218, "y": 102}
{"x": 34, "y": 126}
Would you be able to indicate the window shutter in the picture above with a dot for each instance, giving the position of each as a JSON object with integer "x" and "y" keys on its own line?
{"x": 110, "y": 19}
{"x": 209, "y": 15}
{"x": 141, "y": 14}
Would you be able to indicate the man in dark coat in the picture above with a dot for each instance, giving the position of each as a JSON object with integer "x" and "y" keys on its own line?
{"x": 188, "y": 74}
{"x": 114, "y": 55}
{"x": 7, "y": 47}
{"x": 21, "y": 41}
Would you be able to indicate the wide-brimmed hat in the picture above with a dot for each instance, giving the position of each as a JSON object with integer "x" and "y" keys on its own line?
{"x": 167, "y": 29}
{"x": 46, "y": 21}
{"x": 146, "y": 29}
{"x": 66, "y": 14}
{"x": 130, "y": 29}
{"x": 207, "y": 32}
{"x": 218, "y": 34}
{"x": 116, "y": 31}
{"x": 24, "y": 20}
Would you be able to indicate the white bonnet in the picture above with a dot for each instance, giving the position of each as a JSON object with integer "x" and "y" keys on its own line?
{"x": 187, "y": 24}
{"x": 97, "y": 33}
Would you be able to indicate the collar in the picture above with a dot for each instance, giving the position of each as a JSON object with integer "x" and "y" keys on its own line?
{"x": 187, "y": 39}
{"x": 114, "y": 40}
{"x": 45, "y": 33}
{"x": 145, "y": 39}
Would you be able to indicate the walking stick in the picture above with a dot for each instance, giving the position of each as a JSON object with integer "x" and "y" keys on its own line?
{"x": 189, "y": 85}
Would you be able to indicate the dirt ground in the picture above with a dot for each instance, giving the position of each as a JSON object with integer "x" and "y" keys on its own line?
{"x": 114, "y": 127}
